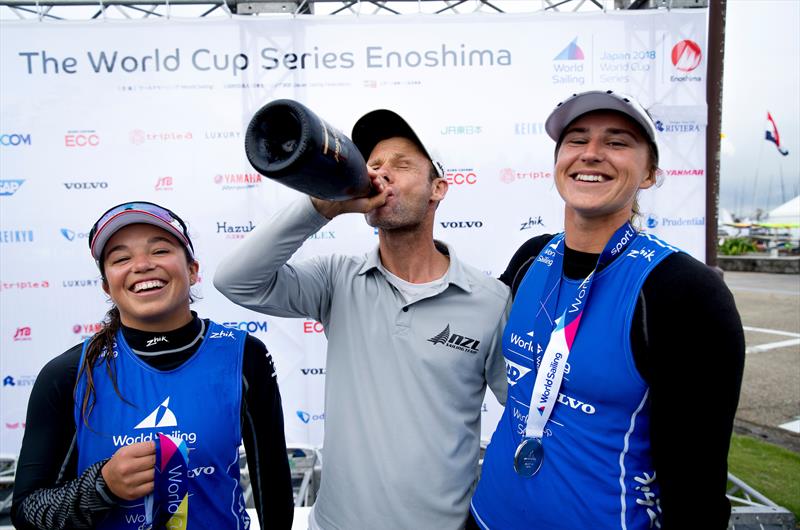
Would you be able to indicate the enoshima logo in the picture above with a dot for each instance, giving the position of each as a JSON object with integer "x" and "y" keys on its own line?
{"x": 455, "y": 341}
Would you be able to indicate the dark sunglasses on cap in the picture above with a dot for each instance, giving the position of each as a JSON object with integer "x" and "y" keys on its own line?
{"x": 130, "y": 213}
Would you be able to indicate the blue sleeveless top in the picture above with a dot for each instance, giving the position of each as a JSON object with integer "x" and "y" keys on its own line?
{"x": 597, "y": 471}
{"x": 200, "y": 402}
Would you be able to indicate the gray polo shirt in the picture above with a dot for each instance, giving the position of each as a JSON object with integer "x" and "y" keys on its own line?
{"x": 404, "y": 382}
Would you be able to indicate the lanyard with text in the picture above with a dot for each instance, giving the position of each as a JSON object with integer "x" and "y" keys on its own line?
{"x": 168, "y": 505}
{"x": 529, "y": 455}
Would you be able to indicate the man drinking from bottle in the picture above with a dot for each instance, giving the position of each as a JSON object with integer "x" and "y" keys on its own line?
{"x": 413, "y": 339}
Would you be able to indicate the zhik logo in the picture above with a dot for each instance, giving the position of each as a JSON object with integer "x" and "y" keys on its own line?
{"x": 455, "y": 341}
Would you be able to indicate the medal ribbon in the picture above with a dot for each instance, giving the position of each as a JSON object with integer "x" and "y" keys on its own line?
{"x": 168, "y": 505}
{"x": 551, "y": 370}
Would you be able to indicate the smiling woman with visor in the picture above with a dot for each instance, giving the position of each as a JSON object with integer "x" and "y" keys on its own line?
{"x": 140, "y": 426}
{"x": 624, "y": 354}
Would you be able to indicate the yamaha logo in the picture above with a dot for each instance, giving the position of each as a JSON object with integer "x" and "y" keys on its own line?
{"x": 455, "y": 341}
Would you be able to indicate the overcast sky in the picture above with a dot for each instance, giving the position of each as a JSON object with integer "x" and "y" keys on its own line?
{"x": 762, "y": 73}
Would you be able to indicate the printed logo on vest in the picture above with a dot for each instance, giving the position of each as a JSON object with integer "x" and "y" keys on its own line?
{"x": 162, "y": 416}
{"x": 455, "y": 341}
{"x": 515, "y": 372}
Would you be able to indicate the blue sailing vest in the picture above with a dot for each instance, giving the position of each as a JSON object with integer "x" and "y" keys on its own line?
{"x": 200, "y": 402}
{"x": 597, "y": 471}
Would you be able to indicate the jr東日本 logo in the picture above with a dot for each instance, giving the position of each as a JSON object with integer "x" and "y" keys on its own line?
{"x": 455, "y": 341}
{"x": 686, "y": 55}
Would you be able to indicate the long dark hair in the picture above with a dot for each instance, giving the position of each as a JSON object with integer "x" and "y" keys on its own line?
{"x": 103, "y": 342}
{"x": 102, "y": 347}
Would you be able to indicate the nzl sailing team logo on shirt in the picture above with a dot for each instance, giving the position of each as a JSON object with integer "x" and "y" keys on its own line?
{"x": 455, "y": 341}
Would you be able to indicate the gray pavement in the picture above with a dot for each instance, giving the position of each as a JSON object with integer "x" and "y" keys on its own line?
{"x": 769, "y": 305}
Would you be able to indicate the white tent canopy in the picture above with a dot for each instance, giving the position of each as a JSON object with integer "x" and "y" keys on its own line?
{"x": 786, "y": 213}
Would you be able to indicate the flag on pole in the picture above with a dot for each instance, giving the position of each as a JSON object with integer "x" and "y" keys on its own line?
{"x": 773, "y": 135}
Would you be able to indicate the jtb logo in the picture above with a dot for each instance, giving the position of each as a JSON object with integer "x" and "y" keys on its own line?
{"x": 23, "y": 333}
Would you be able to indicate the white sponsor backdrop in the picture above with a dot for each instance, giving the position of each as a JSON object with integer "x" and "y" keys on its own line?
{"x": 97, "y": 113}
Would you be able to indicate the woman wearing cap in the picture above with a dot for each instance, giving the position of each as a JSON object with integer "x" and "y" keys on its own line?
{"x": 139, "y": 427}
{"x": 618, "y": 414}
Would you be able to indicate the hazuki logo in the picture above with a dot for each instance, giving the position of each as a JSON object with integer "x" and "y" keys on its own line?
{"x": 455, "y": 341}
{"x": 10, "y": 187}
{"x": 161, "y": 416}
{"x": 232, "y": 231}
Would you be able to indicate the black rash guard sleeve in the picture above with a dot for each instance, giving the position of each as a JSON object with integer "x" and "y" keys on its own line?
{"x": 688, "y": 345}
{"x": 264, "y": 441}
{"x": 48, "y": 494}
